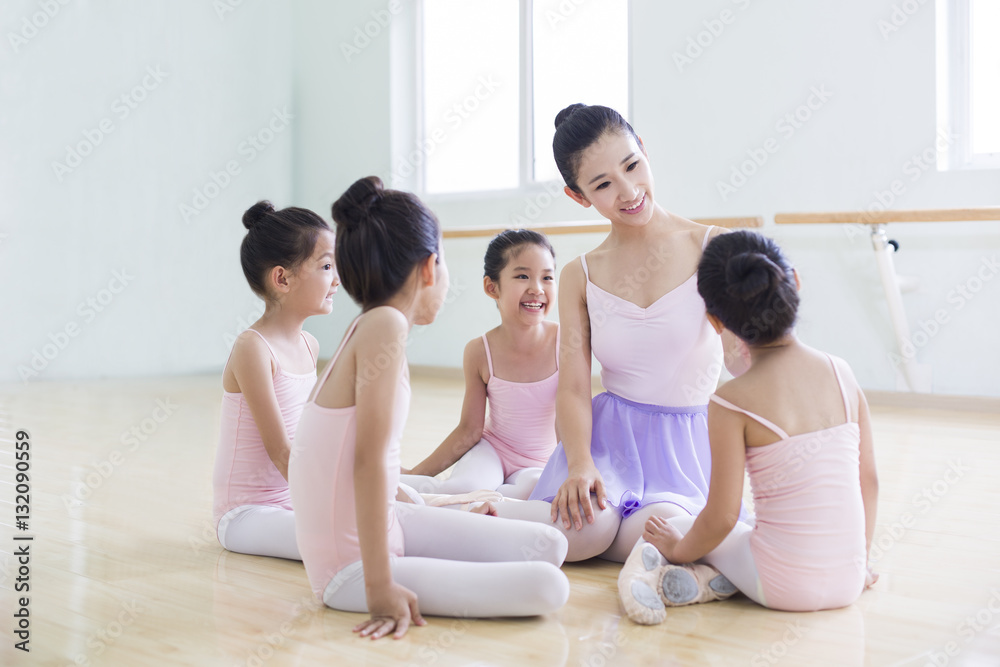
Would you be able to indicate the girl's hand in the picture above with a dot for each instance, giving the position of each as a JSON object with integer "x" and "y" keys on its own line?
{"x": 575, "y": 493}
{"x": 392, "y": 608}
{"x": 870, "y": 577}
{"x": 662, "y": 535}
{"x": 485, "y": 507}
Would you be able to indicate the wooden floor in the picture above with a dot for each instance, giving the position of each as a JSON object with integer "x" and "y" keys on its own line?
{"x": 125, "y": 568}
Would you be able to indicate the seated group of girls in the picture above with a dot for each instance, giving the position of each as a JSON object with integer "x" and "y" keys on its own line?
{"x": 649, "y": 472}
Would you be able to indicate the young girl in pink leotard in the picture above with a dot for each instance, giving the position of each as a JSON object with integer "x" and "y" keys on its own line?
{"x": 287, "y": 258}
{"x": 363, "y": 552}
{"x": 514, "y": 368}
{"x": 799, "y": 423}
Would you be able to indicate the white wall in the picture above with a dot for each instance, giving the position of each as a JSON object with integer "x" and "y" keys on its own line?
{"x": 61, "y": 241}
{"x": 219, "y": 80}
{"x": 699, "y": 121}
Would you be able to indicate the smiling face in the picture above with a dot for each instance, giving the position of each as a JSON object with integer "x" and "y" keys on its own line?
{"x": 614, "y": 177}
{"x": 316, "y": 279}
{"x": 526, "y": 291}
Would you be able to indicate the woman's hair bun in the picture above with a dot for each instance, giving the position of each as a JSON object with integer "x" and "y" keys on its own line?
{"x": 751, "y": 273}
{"x": 256, "y": 213}
{"x": 354, "y": 206}
{"x": 563, "y": 115}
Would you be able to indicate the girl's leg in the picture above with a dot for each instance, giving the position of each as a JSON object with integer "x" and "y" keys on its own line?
{"x": 592, "y": 540}
{"x": 479, "y": 468}
{"x": 632, "y": 527}
{"x": 520, "y": 483}
{"x": 470, "y": 565}
{"x": 435, "y": 532}
{"x": 732, "y": 558}
{"x": 463, "y": 589}
{"x": 260, "y": 530}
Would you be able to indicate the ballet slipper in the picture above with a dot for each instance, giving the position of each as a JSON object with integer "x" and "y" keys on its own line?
{"x": 465, "y": 500}
{"x": 638, "y": 582}
{"x": 648, "y": 584}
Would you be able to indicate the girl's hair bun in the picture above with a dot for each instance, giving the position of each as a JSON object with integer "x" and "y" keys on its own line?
{"x": 751, "y": 273}
{"x": 256, "y": 213}
{"x": 567, "y": 112}
{"x": 354, "y": 206}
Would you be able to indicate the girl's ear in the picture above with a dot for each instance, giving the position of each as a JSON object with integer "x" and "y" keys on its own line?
{"x": 428, "y": 274}
{"x": 798, "y": 281}
{"x": 576, "y": 196}
{"x": 491, "y": 288}
{"x": 280, "y": 279}
{"x": 715, "y": 322}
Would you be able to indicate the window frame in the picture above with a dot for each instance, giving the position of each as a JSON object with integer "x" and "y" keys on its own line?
{"x": 409, "y": 129}
{"x": 954, "y": 90}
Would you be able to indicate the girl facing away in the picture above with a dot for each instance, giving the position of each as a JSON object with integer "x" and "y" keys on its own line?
{"x": 363, "y": 552}
{"x": 799, "y": 423}
{"x": 513, "y": 368}
{"x": 287, "y": 257}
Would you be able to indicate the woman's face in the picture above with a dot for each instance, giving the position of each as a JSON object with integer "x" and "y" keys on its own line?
{"x": 614, "y": 177}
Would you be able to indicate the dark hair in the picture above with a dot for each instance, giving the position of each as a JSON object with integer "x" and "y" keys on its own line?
{"x": 577, "y": 127}
{"x": 748, "y": 284}
{"x": 381, "y": 235}
{"x": 276, "y": 238}
{"x": 505, "y": 244}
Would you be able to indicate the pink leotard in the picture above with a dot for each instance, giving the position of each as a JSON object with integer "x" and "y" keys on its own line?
{"x": 809, "y": 541}
{"x": 521, "y": 424}
{"x": 244, "y": 473}
{"x": 321, "y": 474}
{"x": 664, "y": 354}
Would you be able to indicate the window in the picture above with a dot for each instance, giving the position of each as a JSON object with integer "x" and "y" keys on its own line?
{"x": 969, "y": 83}
{"x": 492, "y": 77}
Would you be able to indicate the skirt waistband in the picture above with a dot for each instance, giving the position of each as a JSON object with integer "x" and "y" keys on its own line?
{"x": 659, "y": 409}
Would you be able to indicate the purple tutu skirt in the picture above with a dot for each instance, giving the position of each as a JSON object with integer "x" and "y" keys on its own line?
{"x": 645, "y": 453}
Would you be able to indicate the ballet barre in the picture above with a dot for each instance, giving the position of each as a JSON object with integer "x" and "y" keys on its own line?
{"x": 595, "y": 227}
{"x": 876, "y": 222}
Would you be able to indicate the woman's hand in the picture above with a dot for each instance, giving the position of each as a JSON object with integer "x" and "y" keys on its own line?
{"x": 870, "y": 577}
{"x": 392, "y": 607}
{"x": 575, "y": 493}
{"x": 662, "y": 535}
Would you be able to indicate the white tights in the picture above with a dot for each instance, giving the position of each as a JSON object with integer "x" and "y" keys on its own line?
{"x": 610, "y": 537}
{"x": 479, "y": 468}
{"x": 259, "y": 530}
{"x": 732, "y": 557}
{"x": 468, "y": 565}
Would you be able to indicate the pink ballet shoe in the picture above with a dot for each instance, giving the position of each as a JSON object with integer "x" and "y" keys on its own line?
{"x": 648, "y": 584}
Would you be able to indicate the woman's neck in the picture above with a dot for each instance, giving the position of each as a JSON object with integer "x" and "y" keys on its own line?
{"x": 624, "y": 235}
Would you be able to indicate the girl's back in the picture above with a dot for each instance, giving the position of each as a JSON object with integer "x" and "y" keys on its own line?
{"x": 802, "y": 455}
